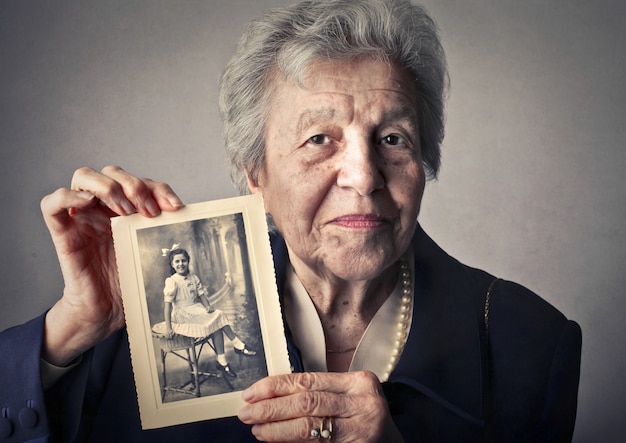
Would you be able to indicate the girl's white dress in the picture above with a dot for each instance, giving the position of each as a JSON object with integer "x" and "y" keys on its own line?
{"x": 189, "y": 316}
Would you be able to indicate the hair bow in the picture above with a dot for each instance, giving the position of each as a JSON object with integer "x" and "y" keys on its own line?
{"x": 166, "y": 251}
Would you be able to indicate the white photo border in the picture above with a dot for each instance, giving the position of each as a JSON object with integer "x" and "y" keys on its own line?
{"x": 153, "y": 411}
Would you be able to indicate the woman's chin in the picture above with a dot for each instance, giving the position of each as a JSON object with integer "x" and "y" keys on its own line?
{"x": 359, "y": 265}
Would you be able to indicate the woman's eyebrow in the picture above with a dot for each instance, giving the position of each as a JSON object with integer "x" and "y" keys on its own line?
{"x": 311, "y": 116}
{"x": 401, "y": 110}
{"x": 403, "y": 113}
{"x": 314, "y": 115}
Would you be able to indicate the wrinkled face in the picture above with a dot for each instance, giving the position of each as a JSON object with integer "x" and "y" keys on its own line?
{"x": 343, "y": 176}
{"x": 180, "y": 264}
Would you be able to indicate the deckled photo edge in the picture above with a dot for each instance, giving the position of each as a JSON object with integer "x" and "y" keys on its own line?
{"x": 265, "y": 279}
{"x": 155, "y": 413}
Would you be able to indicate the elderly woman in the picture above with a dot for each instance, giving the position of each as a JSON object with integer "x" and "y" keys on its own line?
{"x": 333, "y": 111}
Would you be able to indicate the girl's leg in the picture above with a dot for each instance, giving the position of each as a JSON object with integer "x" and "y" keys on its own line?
{"x": 237, "y": 343}
{"x": 222, "y": 363}
{"x": 240, "y": 347}
{"x": 229, "y": 332}
{"x": 218, "y": 342}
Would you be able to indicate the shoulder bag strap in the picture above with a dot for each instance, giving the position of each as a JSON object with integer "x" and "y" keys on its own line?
{"x": 487, "y": 366}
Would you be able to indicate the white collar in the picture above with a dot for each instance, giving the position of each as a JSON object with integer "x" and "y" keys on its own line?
{"x": 374, "y": 351}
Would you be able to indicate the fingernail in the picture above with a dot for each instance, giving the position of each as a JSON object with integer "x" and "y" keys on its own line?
{"x": 244, "y": 414}
{"x": 175, "y": 202}
{"x": 152, "y": 207}
{"x": 127, "y": 207}
{"x": 248, "y": 394}
{"x": 85, "y": 195}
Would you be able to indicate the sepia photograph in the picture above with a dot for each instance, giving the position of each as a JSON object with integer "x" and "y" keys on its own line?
{"x": 193, "y": 308}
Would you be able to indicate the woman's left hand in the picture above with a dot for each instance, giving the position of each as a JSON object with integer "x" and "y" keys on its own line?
{"x": 288, "y": 407}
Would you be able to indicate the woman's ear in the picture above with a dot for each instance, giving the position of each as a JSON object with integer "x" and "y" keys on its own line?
{"x": 253, "y": 184}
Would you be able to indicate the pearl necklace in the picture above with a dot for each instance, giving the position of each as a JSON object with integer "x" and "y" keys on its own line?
{"x": 404, "y": 319}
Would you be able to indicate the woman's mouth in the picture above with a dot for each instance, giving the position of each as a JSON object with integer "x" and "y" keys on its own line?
{"x": 360, "y": 221}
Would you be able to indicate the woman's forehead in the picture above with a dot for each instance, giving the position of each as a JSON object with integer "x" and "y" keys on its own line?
{"x": 330, "y": 86}
{"x": 357, "y": 75}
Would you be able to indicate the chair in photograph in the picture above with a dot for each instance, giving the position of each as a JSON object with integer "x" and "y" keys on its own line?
{"x": 188, "y": 349}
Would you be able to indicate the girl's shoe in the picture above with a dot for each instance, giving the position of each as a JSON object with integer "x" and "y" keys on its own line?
{"x": 245, "y": 351}
{"x": 226, "y": 370}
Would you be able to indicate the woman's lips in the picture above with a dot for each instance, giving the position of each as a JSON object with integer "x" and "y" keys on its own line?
{"x": 366, "y": 221}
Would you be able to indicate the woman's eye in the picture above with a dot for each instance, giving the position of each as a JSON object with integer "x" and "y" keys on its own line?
{"x": 319, "y": 139}
{"x": 392, "y": 140}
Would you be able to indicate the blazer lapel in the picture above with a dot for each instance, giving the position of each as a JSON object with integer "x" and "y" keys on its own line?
{"x": 442, "y": 358}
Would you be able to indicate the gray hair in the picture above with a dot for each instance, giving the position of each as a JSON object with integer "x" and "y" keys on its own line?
{"x": 286, "y": 41}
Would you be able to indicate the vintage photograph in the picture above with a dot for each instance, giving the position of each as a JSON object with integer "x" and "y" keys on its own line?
{"x": 198, "y": 303}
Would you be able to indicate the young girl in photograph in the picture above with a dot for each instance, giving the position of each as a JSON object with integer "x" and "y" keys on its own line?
{"x": 189, "y": 312}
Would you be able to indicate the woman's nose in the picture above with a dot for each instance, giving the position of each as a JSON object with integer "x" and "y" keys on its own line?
{"x": 360, "y": 168}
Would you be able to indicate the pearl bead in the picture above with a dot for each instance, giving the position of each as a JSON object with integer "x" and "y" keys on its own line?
{"x": 325, "y": 434}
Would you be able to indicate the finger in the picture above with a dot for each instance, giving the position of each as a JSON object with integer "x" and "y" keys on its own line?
{"x": 125, "y": 193}
{"x": 302, "y": 404}
{"x": 55, "y": 206}
{"x": 314, "y": 404}
{"x": 291, "y": 430}
{"x": 287, "y": 384}
{"x": 363, "y": 419}
{"x": 106, "y": 188}
{"x": 165, "y": 197}
{"x": 146, "y": 195}
{"x": 135, "y": 190}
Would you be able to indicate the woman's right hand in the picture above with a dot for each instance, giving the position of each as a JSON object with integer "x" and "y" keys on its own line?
{"x": 79, "y": 223}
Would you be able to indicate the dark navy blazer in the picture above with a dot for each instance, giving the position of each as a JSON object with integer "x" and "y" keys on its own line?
{"x": 453, "y": 383}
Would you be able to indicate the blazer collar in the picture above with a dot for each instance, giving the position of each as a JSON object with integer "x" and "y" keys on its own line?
{"x": 442, "y": 358}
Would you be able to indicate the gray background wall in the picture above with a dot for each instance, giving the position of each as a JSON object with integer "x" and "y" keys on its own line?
{"x": 531, "y": 187}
